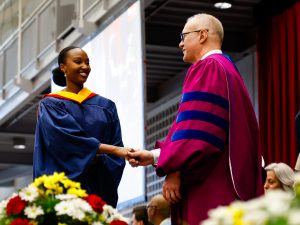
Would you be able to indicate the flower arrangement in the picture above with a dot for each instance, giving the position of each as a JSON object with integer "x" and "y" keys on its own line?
{"x": 55, "y": 199}
{"x": 274, "y": 208}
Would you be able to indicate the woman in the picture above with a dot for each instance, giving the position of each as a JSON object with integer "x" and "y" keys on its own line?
{"x": 76, "y": 128}
{"x": 279, "y": 176}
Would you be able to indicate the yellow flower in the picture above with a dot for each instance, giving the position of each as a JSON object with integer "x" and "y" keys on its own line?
{"x": 237, "y": 215}
{"x": 77, "y": 192}
{"x": 59, "y": 194}
{"x": 58, "y": 176}
{"x": 33, "y": 222}
{"x": 70, "y": 184}
{"x": 55, "y": 188}
{"x": 49, "y": 184}
{"x": 39, "y": 181}
{"x": 49, "y": 192}
{"x": 297, "y": 188}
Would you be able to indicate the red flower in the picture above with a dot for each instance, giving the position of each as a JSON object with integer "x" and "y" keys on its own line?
{"x": 118, "y": 222}
{"x": 20, "y": 221}
{"x": 96, "y": 202}
{"x": 15, "y": 205}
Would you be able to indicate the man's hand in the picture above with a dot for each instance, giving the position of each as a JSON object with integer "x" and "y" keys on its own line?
{"x": 140, "y": 158}
{"x": 171, "y": 187}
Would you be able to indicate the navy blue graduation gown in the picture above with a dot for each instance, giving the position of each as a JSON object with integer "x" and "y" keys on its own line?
{"x": 68, "y": 134}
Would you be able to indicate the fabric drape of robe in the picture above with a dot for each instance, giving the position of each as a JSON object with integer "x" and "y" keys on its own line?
{"x": 214, "y": 141}
{"x": 297, "y": 125}
{"x": 68, "y": 134}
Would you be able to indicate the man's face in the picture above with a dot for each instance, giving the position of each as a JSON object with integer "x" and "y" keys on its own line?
{"x": 151, "y": 208}
{"x": 190, "y": 42}
{"x": 135, "y": 222}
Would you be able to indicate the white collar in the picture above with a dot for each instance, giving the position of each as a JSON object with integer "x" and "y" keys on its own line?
{"x": 216, "y": 51}
{"x": 166, "y": 221}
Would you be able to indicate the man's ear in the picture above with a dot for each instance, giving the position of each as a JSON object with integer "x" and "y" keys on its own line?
{"x": 152, "y": 212}
{"x": 203, "y": 35}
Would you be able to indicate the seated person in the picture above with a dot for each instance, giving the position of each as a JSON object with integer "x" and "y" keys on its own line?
{"x": 279, "y": 176}
{"x": 159, "y": 211}
{"x": 139, "y": 216}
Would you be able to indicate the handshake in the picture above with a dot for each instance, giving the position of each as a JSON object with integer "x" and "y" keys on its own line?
{"x": 139, "y": 157}
{"x": 135, "y": 157}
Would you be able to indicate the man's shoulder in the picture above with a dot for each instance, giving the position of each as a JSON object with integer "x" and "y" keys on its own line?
{"x": 209, "y": 60}
{"x": 209, "y": 65}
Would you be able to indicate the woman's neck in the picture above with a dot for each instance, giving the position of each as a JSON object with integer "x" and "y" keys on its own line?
{"x": 73, "y": 88}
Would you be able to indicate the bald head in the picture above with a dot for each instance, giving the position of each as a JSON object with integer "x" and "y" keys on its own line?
{"x": 160, "y": 201}
{"x": 160, "y": 209}
{"x": 201, "y": 33}
{"x": 208, "y": 22}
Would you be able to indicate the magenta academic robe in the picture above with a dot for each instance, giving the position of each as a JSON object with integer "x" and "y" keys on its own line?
{"x": 214, "y": 141}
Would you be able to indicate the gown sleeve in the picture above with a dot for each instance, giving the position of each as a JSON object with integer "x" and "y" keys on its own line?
{"x": 61, "y": 144}
{"x": 115, "y": 164}
{"x": 199, "y": 134}
{"x": 108, "y": 168}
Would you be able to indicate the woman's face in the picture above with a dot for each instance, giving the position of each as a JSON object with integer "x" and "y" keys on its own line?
{"x": 272, "y": 182}
{"x": 76, "y": 67}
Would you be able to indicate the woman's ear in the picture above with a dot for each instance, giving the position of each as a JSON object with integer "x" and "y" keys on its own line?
{"x": 62, "y": 67}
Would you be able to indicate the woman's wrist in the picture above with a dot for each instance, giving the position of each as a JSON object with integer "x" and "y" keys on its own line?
{"x": 113, "y": 150}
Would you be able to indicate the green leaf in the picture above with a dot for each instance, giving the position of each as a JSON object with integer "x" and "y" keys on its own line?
{"x": 277, "y": 221}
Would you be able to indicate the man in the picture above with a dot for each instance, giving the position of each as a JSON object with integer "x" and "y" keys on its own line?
{"x": 211, "y": 155}
{"x": 159, "y": 211}
{"x": 139, "y": 216}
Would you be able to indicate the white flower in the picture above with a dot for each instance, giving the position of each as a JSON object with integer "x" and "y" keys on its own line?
{"x": 256, "y": 217}
{"x": 75, "y": 208}
{"x": 126, "y": 220}
{"x": 222, "y": 215}
{"x": 110, "y": 214}
{"x": 294, "y": 217}
{"x": 77, "y": 214}
{"x": 3, "y": 208}
{"x": 64, "y": 208}
{"x": 255, "y": 204}
{"x": 29, "y": 193}
{"x": 118, "y": 216}
{"x": 109, "y": 209}
{"x": 33, "y": 211}
{"x": 65, "y": 196}
{"x": 81, "y": 204}
{"x": 210, "y": 222}
{"x": 277, "y": 202}
{"x": 277, "y": 195}
{"x": 97, "y": 223}
{"x": 297, "y": 177}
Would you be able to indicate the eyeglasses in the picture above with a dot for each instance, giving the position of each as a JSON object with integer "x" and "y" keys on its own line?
{"x": 182, "y": 35}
